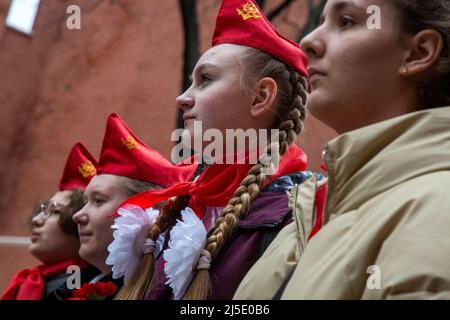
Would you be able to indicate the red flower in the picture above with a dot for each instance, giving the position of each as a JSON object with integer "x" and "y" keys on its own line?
{"x": 94, "y": 291}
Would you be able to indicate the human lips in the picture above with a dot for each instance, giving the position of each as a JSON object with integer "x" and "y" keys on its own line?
{"x": 187, "y": 117}
{"x": 315, "y": 74}
{"x": 85, "y": 235}
{"x": 35, "y": 236}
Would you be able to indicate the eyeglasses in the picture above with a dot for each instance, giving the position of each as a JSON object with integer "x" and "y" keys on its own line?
{"x": 50, "y": 208}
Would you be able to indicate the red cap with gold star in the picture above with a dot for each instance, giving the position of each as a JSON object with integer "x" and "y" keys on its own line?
{"x": 79, "y": 170}
{"x": 123, "y": 154}
{"x": 242, "y": 22}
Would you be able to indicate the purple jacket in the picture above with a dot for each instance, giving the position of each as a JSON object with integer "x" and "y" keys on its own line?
{"x": 267, "y": 215}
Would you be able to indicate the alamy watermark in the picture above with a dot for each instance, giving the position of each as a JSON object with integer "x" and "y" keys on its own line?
{"x": 235, "y": 146}
{"x": 374, "y": 280}
{"x": 73, "y": 21}
{"x": 374, "y": 20}
{"x": 74, "y": 280}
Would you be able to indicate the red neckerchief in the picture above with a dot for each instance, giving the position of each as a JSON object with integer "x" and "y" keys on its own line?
{"x": 29, "y": 284}
{"x": 217, "y": 184}
{"x": 323, "y": 167}
{"x": 320, "y": 198}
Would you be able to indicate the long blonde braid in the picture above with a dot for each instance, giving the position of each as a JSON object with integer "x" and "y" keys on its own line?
{"x": 291, "y": 113}
{"x": 143, "y": 279}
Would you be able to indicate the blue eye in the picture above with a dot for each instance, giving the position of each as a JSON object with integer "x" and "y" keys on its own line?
{"x": 346, "y": 22}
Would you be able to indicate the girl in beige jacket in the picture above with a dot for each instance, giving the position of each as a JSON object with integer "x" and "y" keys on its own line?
{"x": 382, "y": 80}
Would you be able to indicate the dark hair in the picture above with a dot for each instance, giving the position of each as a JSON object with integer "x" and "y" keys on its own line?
{"x": 76, "y": 202}
{"x": 417, "y": 15}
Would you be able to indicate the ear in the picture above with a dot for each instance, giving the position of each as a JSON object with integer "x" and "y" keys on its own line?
{"x": 265, "y": 94}
{"x": 425, "y": 48}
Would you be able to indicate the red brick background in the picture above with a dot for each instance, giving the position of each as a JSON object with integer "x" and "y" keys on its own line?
{"x": 59, "y": 86}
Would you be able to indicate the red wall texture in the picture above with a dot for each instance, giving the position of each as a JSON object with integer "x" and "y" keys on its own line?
{"x": 59, "y": 86}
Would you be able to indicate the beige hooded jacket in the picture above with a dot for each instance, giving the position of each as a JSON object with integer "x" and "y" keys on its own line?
{"x": 388, "y": 213}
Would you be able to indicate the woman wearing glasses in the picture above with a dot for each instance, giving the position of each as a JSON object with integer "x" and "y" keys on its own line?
{"x": 54, "y": 236}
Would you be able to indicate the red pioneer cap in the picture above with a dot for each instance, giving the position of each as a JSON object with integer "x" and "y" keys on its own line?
{"x": 242, "y": 22}
{"x": 79, "y": 169}
{"x": 123, "y": 154}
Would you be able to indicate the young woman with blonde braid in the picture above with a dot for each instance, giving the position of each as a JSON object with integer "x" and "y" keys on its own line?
{"x": 251, "y": 78}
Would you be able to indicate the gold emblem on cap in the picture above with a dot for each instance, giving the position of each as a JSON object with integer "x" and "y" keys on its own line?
{"x": 130, "y": 143}
{"x": 249, "y": 11}
{"x": 87, "y": 169}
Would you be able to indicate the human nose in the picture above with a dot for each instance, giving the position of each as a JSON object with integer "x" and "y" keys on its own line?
{"x": 185, "y": 100}
{"x": 39, "y": 219}
{"x": 81, "y": 217}
{"x": 313, "y": 44}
